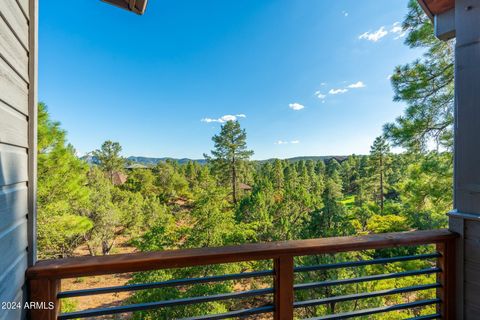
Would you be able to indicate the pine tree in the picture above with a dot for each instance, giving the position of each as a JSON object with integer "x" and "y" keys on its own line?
{"x": 109, "y": 159}
{"x": 61, "y": 191}
{"x": 379, "y": 157}
{"x": 426, "y": 86}
{"x": 230, "y": 150}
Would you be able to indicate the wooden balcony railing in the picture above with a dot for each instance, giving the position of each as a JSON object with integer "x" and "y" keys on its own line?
{"x": 46, "y": 276}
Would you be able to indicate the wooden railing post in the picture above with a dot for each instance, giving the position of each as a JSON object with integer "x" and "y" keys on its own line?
{"x": 284, "y": 295}
{"x": 43, "y": 297}
{"x": 447, "y": 278}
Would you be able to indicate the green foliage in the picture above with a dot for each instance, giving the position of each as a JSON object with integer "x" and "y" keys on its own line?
{"x": 177, "y": 206}
{"x": 101, "y": 210}
{"x": 426, "y": 86}
{"x": 230, "y": 151}
{"x": 379, "y": 167}
{"x": 387, "y": 223}
{"x": 108, "y": 158}
{"x": 427, "y": 190}
{"x": 61, "y": 191}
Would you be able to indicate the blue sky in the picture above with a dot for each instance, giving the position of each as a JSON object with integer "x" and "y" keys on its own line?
{"x": 306, "y": 77}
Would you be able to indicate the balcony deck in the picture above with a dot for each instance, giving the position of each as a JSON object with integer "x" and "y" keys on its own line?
{"x": 45, "y": 277}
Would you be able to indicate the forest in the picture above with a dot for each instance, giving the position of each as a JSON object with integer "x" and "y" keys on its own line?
{"x": 233, "y": 200}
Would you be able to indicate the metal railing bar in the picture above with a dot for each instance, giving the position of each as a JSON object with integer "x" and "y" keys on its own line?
{"x": 164, "y": 284}
{"x": 311, "y": 285}
{"x": 234, "y": 314}
{"x": 384, "y": 309}
{"x": 427, "y": 317}
{"x": 350, "y": 297}
{"x": 366, "y": 262}
{"x": 162, "y": 304}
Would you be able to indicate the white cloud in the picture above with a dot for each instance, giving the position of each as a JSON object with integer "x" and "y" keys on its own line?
{"x": 345, "y": 13}
{"x": 357, "y": 85}
{"x": 280, "y": 142}
{"x": 398, "y": 30}
{"x": 337, "y": 91}
{"x": 225, "y": 118}
{"x": 320, "y": 95}
{"x": 374, "y": 36}
{"x": 296, "y": 106}
{"x": 396, "y": 27}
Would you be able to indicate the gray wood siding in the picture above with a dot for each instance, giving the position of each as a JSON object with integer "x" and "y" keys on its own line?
{"x": 17, "y": 147}
{"x": 472, "y": 269}
{"x": 14, "y": 127}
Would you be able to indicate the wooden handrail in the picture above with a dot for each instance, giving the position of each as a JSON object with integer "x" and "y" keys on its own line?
{"x": 45, "y": 277}
{"x": 143, "y": 261}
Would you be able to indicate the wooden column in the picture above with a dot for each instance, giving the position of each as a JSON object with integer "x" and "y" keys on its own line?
{"x": 283, "y": 288}
{"x": 466, "y": 213}
{"x": 44, "y": 292}
{"x": 447, "y": 279}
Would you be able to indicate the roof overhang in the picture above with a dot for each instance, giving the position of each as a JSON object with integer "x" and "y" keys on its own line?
{"x": 442, "y": 12}
{"x": 436, "y": 7}
{"x": 137, "y": 6}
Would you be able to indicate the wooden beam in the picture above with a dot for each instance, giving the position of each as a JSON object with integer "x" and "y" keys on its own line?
{"x": 447, "y": 278}
{"x": 466, "y": 213}
{"x": 88, "y": 266}
{"x": 436, "y": 7}
{"x": 44, "y": 291}
{"x": 284, "y": 295}
{"x": 32, "y": 131}
{"x": 137, "y": 6}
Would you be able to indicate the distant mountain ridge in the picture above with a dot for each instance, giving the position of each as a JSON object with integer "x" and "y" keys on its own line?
{"x": 152, "y": 161}
{"x": 149, "y": 161}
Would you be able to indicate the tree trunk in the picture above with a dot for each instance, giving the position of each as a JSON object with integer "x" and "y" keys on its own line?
{"x": 234, "y": 182}
{"x": 381, "y": 184}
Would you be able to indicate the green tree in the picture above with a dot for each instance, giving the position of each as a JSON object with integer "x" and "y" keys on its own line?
{"x": 106, "y": 217}
{"x": 230, "y": 151}
{"x": 426, "y": 86}
{"x": 61, "y": 191}
{"x": 379, "y": 161}
{"x": 109, "y": 159}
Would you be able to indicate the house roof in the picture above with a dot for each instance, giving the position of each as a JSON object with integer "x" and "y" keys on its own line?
{"x": 436, "y": 7}
{"x": 136, "y": 166}
{"x": 119, "y": 178}
{"x": 244, "y": 186}
{"x": 137, "y": 6}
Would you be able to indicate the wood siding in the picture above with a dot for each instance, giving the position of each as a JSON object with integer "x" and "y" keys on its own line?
{"x": 472, "y": 269}
{"x": 17, "y": 147}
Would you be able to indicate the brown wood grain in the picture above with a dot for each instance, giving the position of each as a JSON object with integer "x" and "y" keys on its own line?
{"x": 284, "y": 294}
{"x": 447, "y": 278}
{"x": 435, "y": 7}
{"x": 44, "y": 291}
{"x": 88, "y": 266}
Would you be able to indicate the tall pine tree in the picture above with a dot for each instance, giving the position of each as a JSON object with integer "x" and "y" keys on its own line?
{"x": 230, "y": 150}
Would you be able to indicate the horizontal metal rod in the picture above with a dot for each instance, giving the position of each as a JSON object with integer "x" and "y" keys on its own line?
{"x": 164, "y": 284}
{"x": 328, "y": 283}
{"x": 384, "y": 309}
{"x": 366, "y": 295}
{"x": 162, "y": 304}
{"x": 234, "y": 314}
{"x": 366, "y": 262}
{"x": 427, "y": 317}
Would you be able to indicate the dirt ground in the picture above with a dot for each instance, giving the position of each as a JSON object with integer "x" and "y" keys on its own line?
{"x": 102, "y": 300}
{"x": 115, "y": 299}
